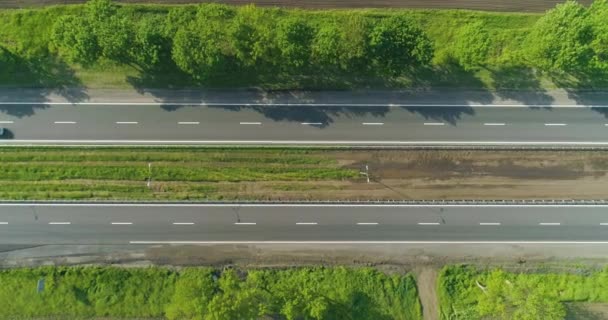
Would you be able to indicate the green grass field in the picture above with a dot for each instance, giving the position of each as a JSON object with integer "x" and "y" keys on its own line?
{"x": 31, "y": 61}
{"x": 177, "y": 173}
{"x": 205, "y": 293}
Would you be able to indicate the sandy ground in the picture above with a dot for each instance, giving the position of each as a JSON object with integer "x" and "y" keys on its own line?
{"x": 491, "y": 5}
{"x": 434, "y": 175}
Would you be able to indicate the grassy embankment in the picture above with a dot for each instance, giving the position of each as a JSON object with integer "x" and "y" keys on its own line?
{"x": 205, "y": 293}
{"x": 177, "y": 173}
{"x": 469, "y": 293}
{"x": 31, "y": 60}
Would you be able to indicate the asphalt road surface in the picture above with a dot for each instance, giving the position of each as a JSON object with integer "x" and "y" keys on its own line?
{"x": 241, "y": 124}
{"x": 120, "y": 224}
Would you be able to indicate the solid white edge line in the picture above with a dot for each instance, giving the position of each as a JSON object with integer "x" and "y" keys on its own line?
{"x": 127, "y": 122}
{"x": 6, "y": 122}
{"x": 188, "y": 122}
{"x": 373, "y": 242}
{"x": 434, "y": 124}
{"x": 550, "y": 223}
{"x": 428, "y": 223}
{"x": 555, "y": 124}
{"x": 372, "y": 123}
{"x": 367, "y": 223}
{"x": 110, "y": 143}
{"x": 489, "y": 223}
{"x": 245, "y": 223}
{"x": 60, "y": 223}
{"x": 250, "y": 123}
{"x": 493, "y": 124}
{"x": 122, "y": 223}
{"x": 183, "y": 223}
{"x": 156, "y": 103}
{"x": 312, "y": 205}
{"x": 306, "y": 223}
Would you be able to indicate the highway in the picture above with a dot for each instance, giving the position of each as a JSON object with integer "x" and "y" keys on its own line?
{"x": 34, "y": 224}
{"x": 304, "y": 124}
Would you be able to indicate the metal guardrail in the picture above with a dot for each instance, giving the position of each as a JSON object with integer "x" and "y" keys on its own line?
{"x": 332, "y": 202}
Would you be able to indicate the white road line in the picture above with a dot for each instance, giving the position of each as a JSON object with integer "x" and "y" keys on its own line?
{"x": 489, "y": 223}
{"x": 169, "y": 103}
{"x": 127, "y": 122}
{"x": 603, "y": 223}
{"x": 168, "y": 143}
{"x": 549, "y": 223}
{"x": 378, "y": 242}
{"x": 555, "y": 124}
{"x": 7, "y": 122}
{"x": 428, "y": 223}
{"x": 65, "y": 122}
{"x": 312, "y": 123}
{"x": 188, "y": 122}
{"x": 250, "y": 123}
{"x": 373, "y": 123}
{"x": 306, "y": 223}
{"x": 183, "y": 223}
{"x": 245, "y": 223}
{"x": 3, "y": 222}
{"x": 367, "y": 223}
{"x": 60, "y": 223}
{"x": 434, "y": 124}
{"x": 122, "y": 223}
{"x": 494, "y": 124}
{"x": 297, "y": 205}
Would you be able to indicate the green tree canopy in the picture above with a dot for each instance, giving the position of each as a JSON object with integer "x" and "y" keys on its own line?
{"x": 472, "y": 45}
{"x": 294, "y": 41}
{"x": 561, "y": 39}
{"x": 398, "y": 44}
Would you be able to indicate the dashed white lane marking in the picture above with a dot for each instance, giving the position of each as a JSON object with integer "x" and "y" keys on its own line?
{"x": 312, "y": 123}
{"x": 555, "y": 124}
{"x": 549, "y": 223}
{"x": 603, "y": 223}
{"x": 494, "y": 124}
{"x": 3, "y": 222}
{"x": 373, "y": 123}
{"x": 122, "y": 223}
{"x": 434, "y": 124}
{"x": 60, "y": 223}
{"x": 188, "y": 122}
{"x": 127, "y": 122}
{"x": 306, "y": 223}
{"x": 250, "y": 123}
{"x": 65, "y": 122}
{"x": 7, "y": 122}
{"x": 245, "y": 223}
{"x": 183, "y": 223}
{"x": 367, "y": 223}
{"x": 489, "y": 223}
{"x": 428, "y": 223}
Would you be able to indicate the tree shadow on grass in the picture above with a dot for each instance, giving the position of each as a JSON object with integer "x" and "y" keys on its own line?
{"x": 33, "y": 79}
{"x": 521, "y": 84}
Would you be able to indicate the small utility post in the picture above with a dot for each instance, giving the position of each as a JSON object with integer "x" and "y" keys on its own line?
{"x": 149, "y": 174}
{"x": 366, "y": 173}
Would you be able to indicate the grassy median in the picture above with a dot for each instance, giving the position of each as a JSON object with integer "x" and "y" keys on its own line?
{"x": 205, "y": 293}
{"x": 224, "y": 173}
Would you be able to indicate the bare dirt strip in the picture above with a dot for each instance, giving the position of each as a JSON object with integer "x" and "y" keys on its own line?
{"x": 488, "y": 5}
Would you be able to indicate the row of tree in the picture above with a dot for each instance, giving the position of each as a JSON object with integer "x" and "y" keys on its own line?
{"x": 568, "y": 38}
{"x": 214, "y": 38}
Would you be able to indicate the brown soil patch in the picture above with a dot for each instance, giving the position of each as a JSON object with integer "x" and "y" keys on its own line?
{"x": 426, "y": 281}
{"x": 489, "y": 5}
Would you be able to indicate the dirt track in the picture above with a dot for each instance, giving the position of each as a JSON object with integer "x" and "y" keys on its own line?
{"x": 489, "y": 5}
